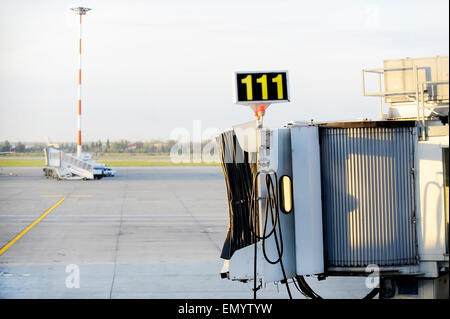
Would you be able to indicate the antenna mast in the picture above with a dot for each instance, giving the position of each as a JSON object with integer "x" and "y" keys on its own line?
{"x": 79, "y": 11}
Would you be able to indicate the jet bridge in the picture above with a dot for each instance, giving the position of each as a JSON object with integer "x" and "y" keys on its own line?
{"x": 350, "y": 198}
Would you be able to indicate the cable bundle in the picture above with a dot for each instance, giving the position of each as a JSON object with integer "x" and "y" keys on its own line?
{"x": 240, "y": 172}
{"x": 239, "y": 168}
{"x": 271, "y": 205}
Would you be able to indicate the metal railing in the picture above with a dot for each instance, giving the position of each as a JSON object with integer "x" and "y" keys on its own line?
{"x": 77, "y": 163}
{"x": 417, "y": 95}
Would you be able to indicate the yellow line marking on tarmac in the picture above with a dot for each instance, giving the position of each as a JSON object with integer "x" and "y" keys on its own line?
{"x": 26, "y": 230}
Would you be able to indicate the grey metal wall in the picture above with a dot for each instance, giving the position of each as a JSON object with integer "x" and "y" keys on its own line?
{"x": 368, "y": 195}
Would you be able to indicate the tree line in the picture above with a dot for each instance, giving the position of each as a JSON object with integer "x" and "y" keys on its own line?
{"x": 121, "y": 146}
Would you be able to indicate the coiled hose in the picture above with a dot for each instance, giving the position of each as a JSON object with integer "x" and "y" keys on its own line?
{"x": 271, "y": 205}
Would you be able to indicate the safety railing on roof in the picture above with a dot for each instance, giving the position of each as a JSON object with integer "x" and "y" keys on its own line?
{"x": 417, "y": 94}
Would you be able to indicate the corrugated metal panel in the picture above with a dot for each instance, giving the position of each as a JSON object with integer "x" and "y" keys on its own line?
{"x": 368, "y": 195}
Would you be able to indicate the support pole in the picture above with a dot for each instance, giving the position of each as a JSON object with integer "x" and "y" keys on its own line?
{"x": 79, "y": 11}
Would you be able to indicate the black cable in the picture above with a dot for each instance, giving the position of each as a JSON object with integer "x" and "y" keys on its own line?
{"x": 306, "y": 288}
{"x": 270, "y": 188}
{"x": 254, "y": 266}
{"x": 271, "y": 204}
{"x": 372, "y": 294}
{"x": 253, "y": 214}
{"x": 298, "y": 288}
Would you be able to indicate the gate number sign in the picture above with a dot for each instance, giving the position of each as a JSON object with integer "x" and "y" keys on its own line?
{"x": 261, "y": 87}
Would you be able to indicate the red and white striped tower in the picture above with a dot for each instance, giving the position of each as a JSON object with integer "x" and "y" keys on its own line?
{"x": 79, "y": 11}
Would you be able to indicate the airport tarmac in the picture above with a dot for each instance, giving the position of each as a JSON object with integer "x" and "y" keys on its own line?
{"x": 150, "y": 232}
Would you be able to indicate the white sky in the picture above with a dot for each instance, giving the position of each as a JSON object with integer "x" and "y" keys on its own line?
{"x": 152, "y": 66}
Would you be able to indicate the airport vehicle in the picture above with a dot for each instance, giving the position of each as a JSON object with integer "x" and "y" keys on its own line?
{"x": 348, "y": 198}
{"x": 104, "y": 170}
{"x": 64, "y": 166}
{"x": 107, "y": 171}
